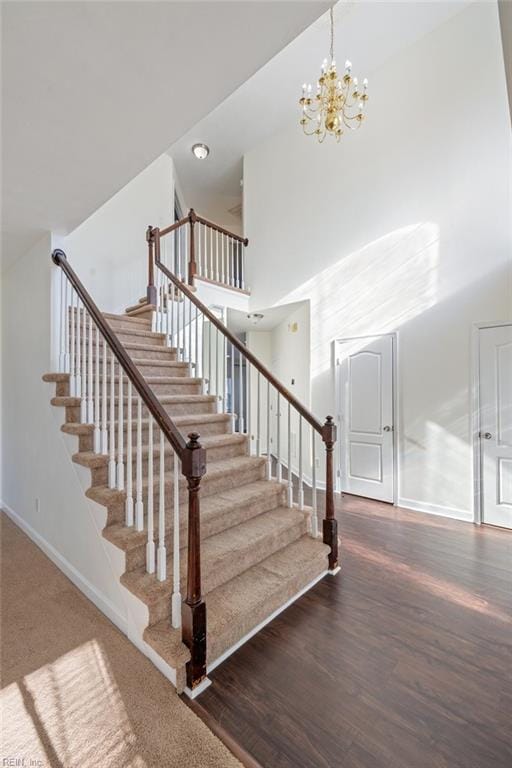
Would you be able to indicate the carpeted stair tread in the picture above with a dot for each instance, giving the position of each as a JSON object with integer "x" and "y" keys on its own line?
{"x": 228, "y": 468}
{"x": 139, "y": 346}
{"x": 73, "y": 428}
{"x": 221, "y": 510}
{"x": 225, "y": 555}
{"x": 237, "y": 607}
{"x": 91, "y": 459}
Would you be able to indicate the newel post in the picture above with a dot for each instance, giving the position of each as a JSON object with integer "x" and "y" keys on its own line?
{"x": 192, "y": 266}
{"x": 330, "y": 524}
{"x": 193, "y": 607}
{"x": 151, "y": 290}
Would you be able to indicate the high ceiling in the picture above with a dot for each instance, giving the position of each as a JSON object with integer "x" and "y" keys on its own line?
{"x": 368, "y": 33}
{"x": 95, "y": 91}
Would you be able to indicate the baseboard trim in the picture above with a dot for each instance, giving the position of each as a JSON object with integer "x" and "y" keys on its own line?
{"x": 262, "y": 624}
{"x": 193, "y": 693}
{"x": 89, "y": 590}
{"x": 436, "y": 509}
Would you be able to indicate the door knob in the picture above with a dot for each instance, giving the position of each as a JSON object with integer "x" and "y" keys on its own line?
{"x": 486, "y": 435}
{"x": 388, "y": 429}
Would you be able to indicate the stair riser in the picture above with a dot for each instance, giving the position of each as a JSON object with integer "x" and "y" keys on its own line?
{"x": 209, "y": 486}
{"x": 170, "y": 368}
{"x": 136, "y": 557}
{"x": 188, "y": 408}
{"x": 99, "y": 475}
{"x": 125, "y": 337}
{"x": 206, "y": 429}
{"x": 229, "y": 567}
{"x": 130, "y": 324}
{"x": 218, "y": 643}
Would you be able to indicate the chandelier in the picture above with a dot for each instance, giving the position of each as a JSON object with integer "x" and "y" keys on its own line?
{"x": 337, "y": 104}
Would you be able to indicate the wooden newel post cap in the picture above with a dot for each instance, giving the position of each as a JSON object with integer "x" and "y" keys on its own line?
{"x": 149, "y": 233}
{"x": 192, "y": 215}
{"x": 329, "y": 430}
{"x": 57, "y": 255}
{"x": 193, "y": 462}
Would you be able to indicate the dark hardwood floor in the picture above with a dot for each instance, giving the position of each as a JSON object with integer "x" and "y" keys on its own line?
{"x": 403, "y": 660}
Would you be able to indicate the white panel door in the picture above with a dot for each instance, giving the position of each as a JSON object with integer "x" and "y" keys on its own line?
{"x": 367, "y": 452}
{"x": 496, "y": 424}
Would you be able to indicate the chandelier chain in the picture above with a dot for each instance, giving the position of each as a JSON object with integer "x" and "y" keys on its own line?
{"x": 331, "y": 11}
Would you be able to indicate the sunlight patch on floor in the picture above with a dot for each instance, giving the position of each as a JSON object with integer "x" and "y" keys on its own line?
{"x": 69, "y": 713}
{"x": 446, "y": 590}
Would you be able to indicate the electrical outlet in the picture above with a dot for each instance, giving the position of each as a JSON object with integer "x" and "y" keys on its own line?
{"x": 317, "y": 462}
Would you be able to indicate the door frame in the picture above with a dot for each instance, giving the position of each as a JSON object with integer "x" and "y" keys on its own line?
{"x": 476, "y": 329}
{"x": 396, "y": 400}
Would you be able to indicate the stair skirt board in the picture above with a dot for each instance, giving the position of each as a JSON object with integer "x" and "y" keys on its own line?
{"x": 243, "y": 513}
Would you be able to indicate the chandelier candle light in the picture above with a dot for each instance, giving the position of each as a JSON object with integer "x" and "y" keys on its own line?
{"x": 338, "y": 103}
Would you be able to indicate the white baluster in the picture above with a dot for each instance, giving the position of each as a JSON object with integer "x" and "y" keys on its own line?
{"x": 176, "y": 593}
{"x": 217, "y": 256}
{"x": 217, "y": 390}
{"x": 258, "y": 416}
{"x": 224, "y": 376}
{"x": 168, "y": 316}
{"x": 314, "y": 517}
{"x": 78, "y": 374}
{"x": 301, "y": 476}
{"x": 112, "y": 427}
{"x": 189, "y": 331}
{"x": 68, "y": 291}
{"x": 129, "y": 459}
{"x": 139, "y": 505}
{"x": 242, "y": 265}
{"x": 161, "y": 555}
{"x": 222, "y": 256}
{"x": 269, "y": 457}
{"x": 212, "y": 273}
{"x": 72, "y": 356}
{"x": 104, "y": 401}
{"x": 278, "y": 440}
{"x": 290, "y": 483}
{"x": 196, "y": 341}
{"x": 90, "y": 394}
{"x": 150, "y": 546}
{"x": 240, "y": 394}
{"x": 120, "y": 433}
{"x": 233, "y": 415}
{"x": 97, "y": 431}
{"x": 83, "y": 403}
{"x": 177, "y": 301}
{"x": 248, "y": 426}
{"x": 62, "y": 321}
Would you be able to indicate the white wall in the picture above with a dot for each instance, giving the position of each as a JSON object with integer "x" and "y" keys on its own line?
{"x": 40, "y": 486}
{"x": 109, "y": 251}
{"x": 403, "y": 226}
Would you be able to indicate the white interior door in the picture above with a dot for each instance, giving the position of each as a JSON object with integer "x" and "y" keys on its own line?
{"x": 496, "y": 424}
{"x": 366, "y": 416}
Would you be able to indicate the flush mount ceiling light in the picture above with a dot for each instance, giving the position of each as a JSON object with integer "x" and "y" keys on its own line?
{"x": 338, "y": 103}
{"x": 255, "y": 317}
{"x": 201, "y": 151}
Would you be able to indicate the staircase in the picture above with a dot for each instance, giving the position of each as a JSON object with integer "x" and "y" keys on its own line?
{"x": 215, "y": 543}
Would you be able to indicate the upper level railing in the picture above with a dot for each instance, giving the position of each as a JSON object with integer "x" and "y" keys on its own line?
{"x": 199, "y": 248}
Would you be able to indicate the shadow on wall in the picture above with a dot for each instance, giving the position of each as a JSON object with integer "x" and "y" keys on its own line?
{"x": 373, "y": 290}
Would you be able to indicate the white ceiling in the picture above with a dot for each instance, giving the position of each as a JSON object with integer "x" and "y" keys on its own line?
{"x": 95, "y": 91}
{"x": 367, "y": 33}
{"x": 240, "y": 322}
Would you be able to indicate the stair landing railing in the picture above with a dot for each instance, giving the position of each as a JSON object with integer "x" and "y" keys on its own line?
{"x": 198, "y": 248}
{"x": 145, "y": 451}
{"x": 278, "y": 425}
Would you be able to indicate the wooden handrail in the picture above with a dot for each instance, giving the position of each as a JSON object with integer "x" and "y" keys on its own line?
{"x": 150, "y": 400}
{"x": 304, "y": 412}
{"x": 223, "y": 231}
